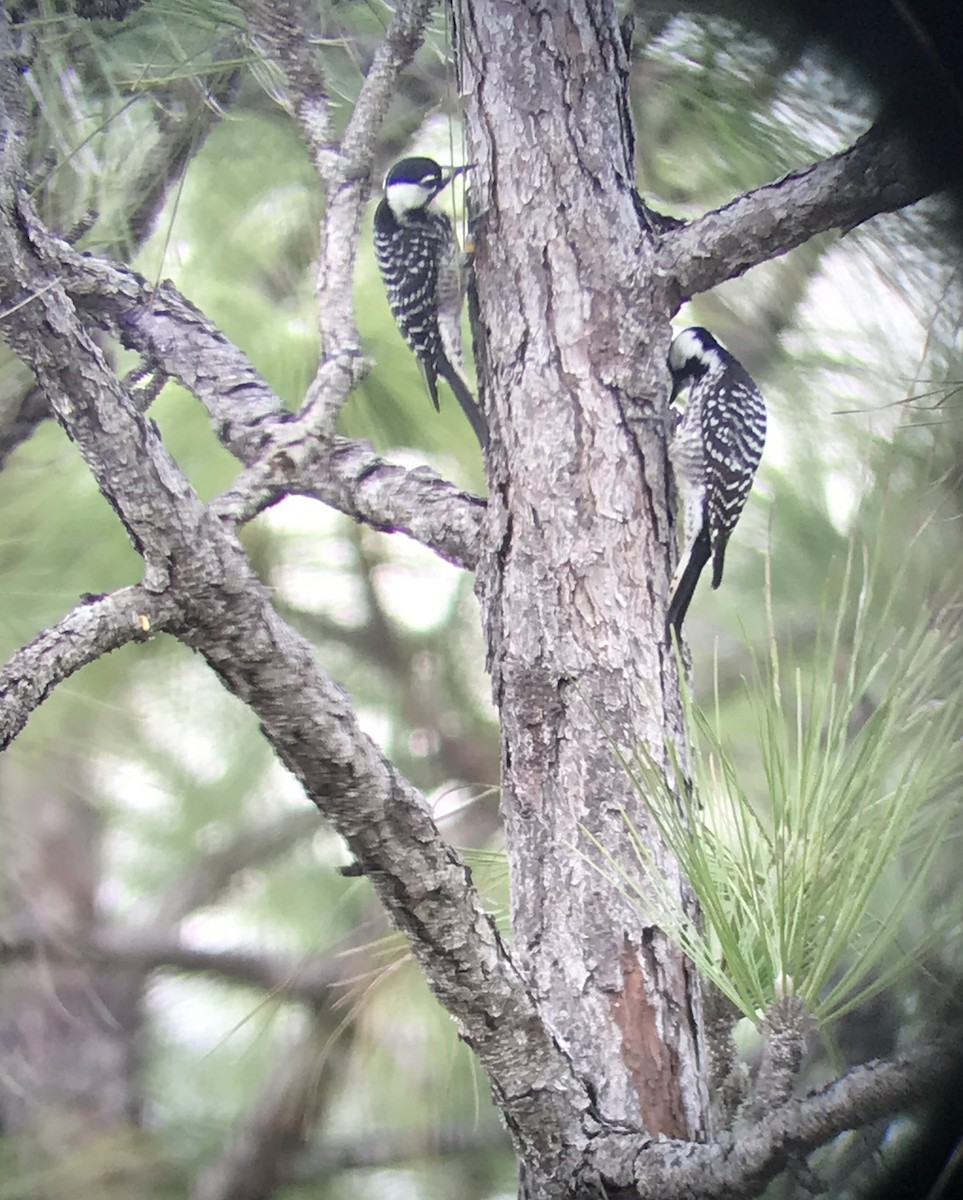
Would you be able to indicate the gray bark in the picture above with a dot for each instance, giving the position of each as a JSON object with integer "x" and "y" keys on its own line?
{"x": 878, "y": 173}
{"x": 574, "y": 575}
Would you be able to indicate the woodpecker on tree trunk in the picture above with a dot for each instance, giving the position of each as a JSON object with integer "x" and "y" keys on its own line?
{"x": 422, "y": 269}
{"x": 715, "y": 452}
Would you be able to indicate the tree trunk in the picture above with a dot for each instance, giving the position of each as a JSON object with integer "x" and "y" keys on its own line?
{"x": 573, "y": 332}
{"x": 71, "y": 1031}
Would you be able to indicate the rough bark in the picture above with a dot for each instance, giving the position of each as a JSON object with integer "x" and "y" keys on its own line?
{"x": 879, "y": 173}
{"x": 284, "y": 454}
{"x": 573, "y": 577}
{"x": 96, "y": 626}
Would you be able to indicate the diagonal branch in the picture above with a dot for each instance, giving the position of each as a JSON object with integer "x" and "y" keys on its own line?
{"x": 284, "y": 455}
{"x": 395, "y": 51}
{"x": 172, "y": 334}
{"x": 350, "y": 477}
{"x": 388, "y": 824}
{"x": 878, "y": 173}
{"x": 224, "y": 612}
{"x": 280, "y": 29}
{"x": 866, "y": 1094}
{"x": 92, "y": 629}
{"x": 344, "y": 173}
{"x": 248, "y": 416}
{"x": 187, "y": 112}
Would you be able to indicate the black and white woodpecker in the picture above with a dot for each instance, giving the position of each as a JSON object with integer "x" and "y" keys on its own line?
{"x": 423, "y": 274}
{"x": 715, "y": 451}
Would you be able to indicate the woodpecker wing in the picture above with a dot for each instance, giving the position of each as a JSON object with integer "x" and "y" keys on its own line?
{"x": 408, "y": 254}
{"x": 715, "y": 451}
{"x": 422, "y": 271}
{"x": 451, "y": 296}
{"x": 734, "y": 433}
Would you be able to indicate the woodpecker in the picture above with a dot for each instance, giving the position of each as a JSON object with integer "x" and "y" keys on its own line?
{"x": 715, "y": 452}
{"x": 422, "y": 271}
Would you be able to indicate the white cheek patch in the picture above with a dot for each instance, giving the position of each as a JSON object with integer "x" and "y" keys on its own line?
{"x": 684, "y": 347}
{"x": 687, "y": 347}
{"x": 403, "y": 197}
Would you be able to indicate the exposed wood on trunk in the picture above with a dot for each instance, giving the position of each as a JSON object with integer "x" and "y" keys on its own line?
{"x": 653, "y": 1063}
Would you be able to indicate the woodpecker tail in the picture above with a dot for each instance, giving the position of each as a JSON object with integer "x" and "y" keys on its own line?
{"x": 466, "y": 400}
{"x": 718, "y": 560}
{"x": 431, "y": 383}
{"x": 684, "y": 583}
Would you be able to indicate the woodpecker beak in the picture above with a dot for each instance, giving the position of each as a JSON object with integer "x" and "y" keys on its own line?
{"x": 677, "y": 386}
{"x": 455, "y": 171}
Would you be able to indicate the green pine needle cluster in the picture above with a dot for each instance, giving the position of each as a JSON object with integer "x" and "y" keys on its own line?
{"x": 808, "y": 888}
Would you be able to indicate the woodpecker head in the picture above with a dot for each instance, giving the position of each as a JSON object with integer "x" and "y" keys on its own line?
{"x": 413, "y": 183}
{"x": 693, "y": 352}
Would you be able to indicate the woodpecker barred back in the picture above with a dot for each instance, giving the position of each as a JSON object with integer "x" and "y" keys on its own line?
{"x": 422, "y": 271}
{"x": 715, "y": 452}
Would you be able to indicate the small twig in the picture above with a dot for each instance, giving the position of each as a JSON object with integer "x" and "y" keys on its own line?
{"x": 350, "y": 477}
{"x": 87, "y": 632}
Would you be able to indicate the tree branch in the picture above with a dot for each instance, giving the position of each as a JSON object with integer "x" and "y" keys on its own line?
{"x": 310, "y": 980}
{"x": 207, "y": 875}
{"x": 394, "y": 53}
{"x": 350, "y": 477}
{"x": 182, "y": 130}
{"x": 281, "y": 29}
{"x": 742, "y": 1163}
{"x": 92, "y": 629}
{"x": 381, "y": 1148}
{"x": 225, "y": 614}
{"x": 878, "y": 173}
{"x": 736, "y": 1165}
{"x": 20, "y": 417}
{"x": 344, "y": 174}
{"x": 164, "y": 327}
{"x": 390, "y": 829}
{"x": 284, "y": 454}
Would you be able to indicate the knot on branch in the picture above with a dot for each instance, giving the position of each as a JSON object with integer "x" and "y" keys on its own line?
{"x": 786, "y": 1026}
